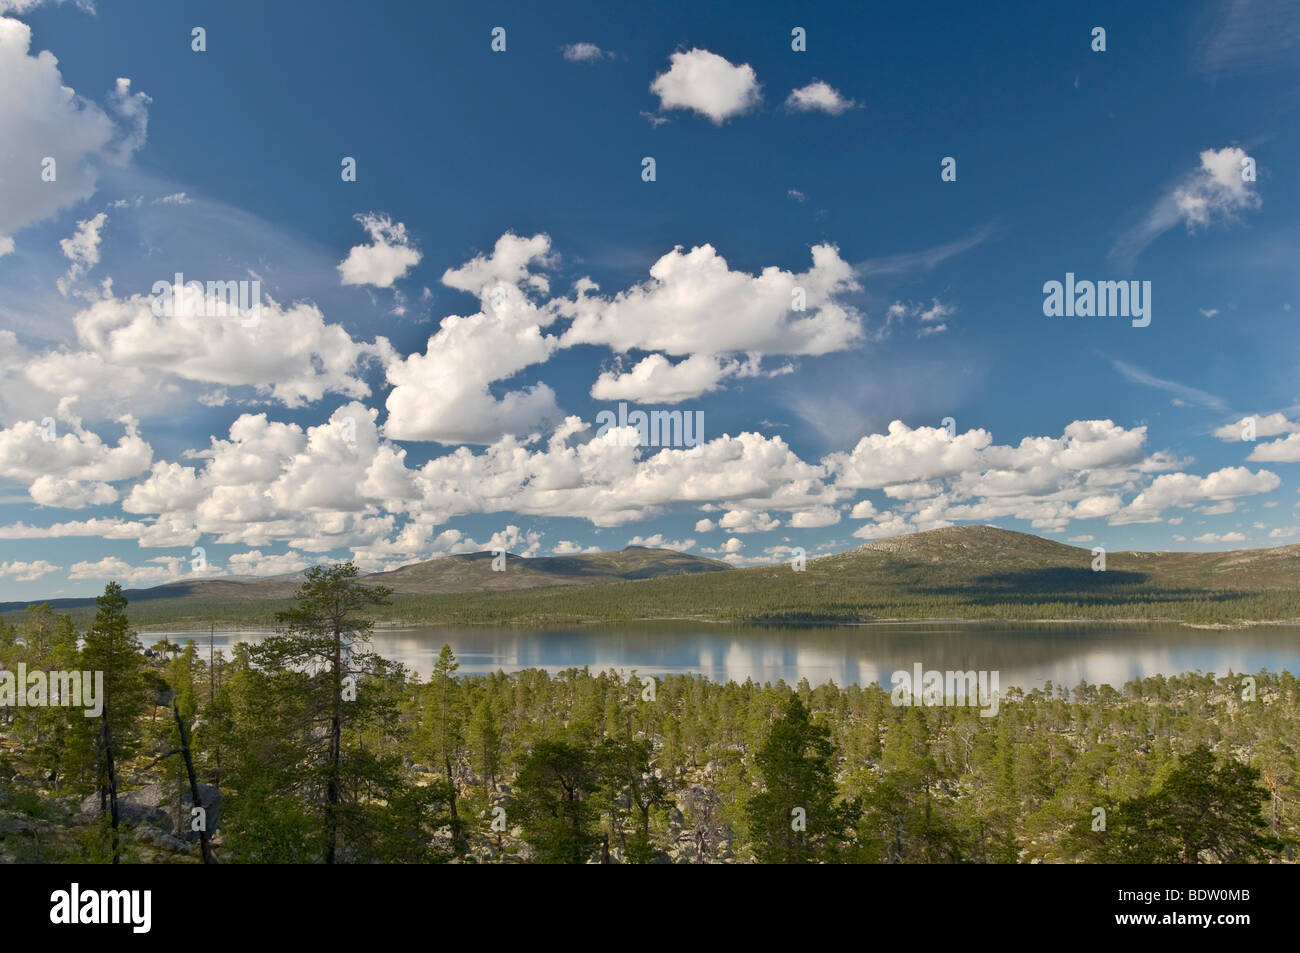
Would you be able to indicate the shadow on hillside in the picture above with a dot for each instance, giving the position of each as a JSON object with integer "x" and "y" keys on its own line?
{"x": 544, "y": 565}
{"x": 563, "y": 566}
{"x": 560, "y": 565}
{"x": 1062, "y": 584}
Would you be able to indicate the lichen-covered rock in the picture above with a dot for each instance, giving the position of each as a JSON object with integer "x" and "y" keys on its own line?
{"x": 156, "y": 805}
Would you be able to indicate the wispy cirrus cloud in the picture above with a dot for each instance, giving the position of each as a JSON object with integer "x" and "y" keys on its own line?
{"x": 1190, "y": 395}
{"x": 927, "y": 258}
{"x": 1216, "y": 191}
{"x": 1251, "y": 36}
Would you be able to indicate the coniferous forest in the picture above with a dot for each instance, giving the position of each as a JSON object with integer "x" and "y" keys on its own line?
{"x": 309, "y": 748}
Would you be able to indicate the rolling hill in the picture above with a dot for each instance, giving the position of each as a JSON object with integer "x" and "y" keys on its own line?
{"x": 198, "y": 600}
{"x": 963, "y": 572}
{"x": 473, "y": 572}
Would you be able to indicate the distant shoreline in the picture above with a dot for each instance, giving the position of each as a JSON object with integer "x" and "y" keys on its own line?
{"x": 164, "y": 628}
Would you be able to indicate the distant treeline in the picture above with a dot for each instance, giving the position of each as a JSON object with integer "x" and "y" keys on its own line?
{"x": 307, "y": 748}
{"x": 784, "y": 596}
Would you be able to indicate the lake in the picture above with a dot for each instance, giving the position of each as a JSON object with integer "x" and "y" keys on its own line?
{"x": 1025, "y": 654}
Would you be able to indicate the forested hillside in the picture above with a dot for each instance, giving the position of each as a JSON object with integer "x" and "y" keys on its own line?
{"x": 961, "y": 572}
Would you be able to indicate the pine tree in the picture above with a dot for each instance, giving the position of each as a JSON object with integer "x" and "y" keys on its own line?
{"x": 485, "y": 741}
{"x": 112, "y": 647}
{"x": 443, "y": 734}
{"x": 553, "y": 800}
{"x": 315, "y": 672}
{"x": 1200, "y": 810}
{"x": 796, "y": 818}
{"x": 47, "y": 641}
{"x": 627, "y": 778}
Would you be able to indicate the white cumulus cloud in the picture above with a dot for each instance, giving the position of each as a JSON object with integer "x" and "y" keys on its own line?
{"x": 708, "y": 84}
{"x": 40, "y": 118}
{"x": 818, "y": 96}
{"x": 389, "y": 256}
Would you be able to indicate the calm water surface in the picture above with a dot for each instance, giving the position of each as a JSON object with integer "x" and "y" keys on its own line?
{"x": 1025, "y": 655}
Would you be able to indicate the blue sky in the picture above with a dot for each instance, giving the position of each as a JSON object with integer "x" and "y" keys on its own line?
{"x": 351, "y": 421}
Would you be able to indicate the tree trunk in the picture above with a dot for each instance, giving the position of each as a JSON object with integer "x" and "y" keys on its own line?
{"x": 336, "y": 742}
{"x": 458, "y": 836}
{"x": 204, "y": 843}
{"x": 111, "y": 790}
